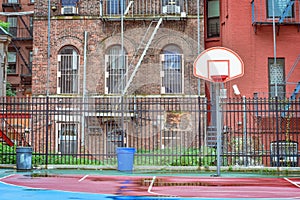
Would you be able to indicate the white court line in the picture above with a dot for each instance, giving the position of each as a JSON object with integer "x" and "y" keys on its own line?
{"x": 292, "y": 182}
{"x": 6, "y": 176}
{"x": 151, "y": 185}
{"x": 150, "y": 188}
{"x": 83, "y": 178}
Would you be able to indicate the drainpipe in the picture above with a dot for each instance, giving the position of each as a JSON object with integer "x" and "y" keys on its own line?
{"x": 199, "y": 40}
{"x": 84, "y": 88}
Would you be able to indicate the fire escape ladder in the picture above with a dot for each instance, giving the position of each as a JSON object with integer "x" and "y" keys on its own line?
{"x": 293, "y": 97}
{"x": 21, "y": 56}
{"x": 26, "y": 26}
{"x": 144, "y": 46}
{"x": 6, "y": 139}
{"x": 292, "y": 69}
{"x": 19, "y": 137}
{"x": 286, "y": 10}
{"x": 141, "y": 46}
{"x": 296, "y": 91}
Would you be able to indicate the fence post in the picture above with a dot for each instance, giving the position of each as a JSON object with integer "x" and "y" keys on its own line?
{"x": 245, "y": 130}
{"x": 47, "y": 132}
{"x": 219, "y": 129}
{"x": 124, "y": 143}
{"x": 277, "y": 131}
{"x": 199, "y": 127}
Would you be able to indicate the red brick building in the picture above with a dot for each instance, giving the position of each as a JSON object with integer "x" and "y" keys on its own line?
{"x": 159, "y": 39}
{"x": 19, "y": 15}
{"x": 247, "y": 28}
{"x": 97, "y": 51}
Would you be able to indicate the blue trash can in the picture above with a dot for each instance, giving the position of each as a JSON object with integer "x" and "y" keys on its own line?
{"x": 125, "y": 157}
{"x": 24, "y": 158}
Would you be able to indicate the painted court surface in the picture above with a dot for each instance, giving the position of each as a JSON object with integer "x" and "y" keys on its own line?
{"x": 83, "y": 185}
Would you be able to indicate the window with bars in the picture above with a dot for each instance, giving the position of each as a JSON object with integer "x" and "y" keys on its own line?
{"x": 116, "y": 69}
{"x": 276, "y": 77}
{"x": 284, "y": 154}
{"x": 68, "y": 64}
{"x": 170, "y": 6}
{"x": 115, "y": 6}
{"x": 213, "y": 18}
{"x": 279, "y": 8}
{"x": 172, "y": 70}
{"x": 68, "y": 138}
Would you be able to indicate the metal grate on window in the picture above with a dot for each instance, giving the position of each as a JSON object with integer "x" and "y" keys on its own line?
{"x": 172, "y": 73}
{"x": 68, "y": 74}
{"x": 116, "y": 70}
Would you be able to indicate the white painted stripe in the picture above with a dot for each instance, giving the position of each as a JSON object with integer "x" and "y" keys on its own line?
{"x": 151, "y": 185}
{"x": 83, "y": 178}
{"x": 294, "y": 183}
{"x": 150, "y": 188}
{"x": 7, "y": 176}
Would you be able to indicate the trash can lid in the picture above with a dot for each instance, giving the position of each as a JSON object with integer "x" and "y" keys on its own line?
{"x": 125, "y": 150}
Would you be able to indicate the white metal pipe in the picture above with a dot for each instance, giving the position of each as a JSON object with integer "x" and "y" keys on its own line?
{"x": 274, "y": 44}
{"x": 84, "y": 87}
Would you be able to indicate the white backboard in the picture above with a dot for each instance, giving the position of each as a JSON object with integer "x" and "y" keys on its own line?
{"x": 218, "y": 62}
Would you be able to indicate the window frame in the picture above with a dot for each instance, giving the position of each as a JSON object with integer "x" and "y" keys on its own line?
{"x": 67, "y": 143}
{"x": 13, "y": 25}
{"x": 272, "y": 86}
{"x": 30, "y": 57}
{"x": 12, "y": 62}
{"x": 71, "y": 71}
{"x": 113, "y": 7}
{"x": 116, "y": 74}
{"x": 270, "y": 8}
{"x": 210, "y": 19}
{"x": 169, "y": 74}
{"x": 13, "y": 1}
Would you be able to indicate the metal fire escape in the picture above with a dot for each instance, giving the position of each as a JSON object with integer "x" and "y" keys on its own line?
{"x": 18, "y": 36}
{"x": 143, "y": 45}
{"x": 286, "y": 10}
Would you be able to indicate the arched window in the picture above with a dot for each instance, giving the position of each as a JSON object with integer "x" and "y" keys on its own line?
{"x": 172, "y": 70}
{"x": 116, "y": 70}
{"x": 68, "y": 66}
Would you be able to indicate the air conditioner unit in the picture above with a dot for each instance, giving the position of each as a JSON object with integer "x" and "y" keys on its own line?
{"x": 69, "y": 10}
{"x": 171, "y": 9}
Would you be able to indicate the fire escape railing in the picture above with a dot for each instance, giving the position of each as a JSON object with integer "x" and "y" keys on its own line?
{"x": 143, "y": 8}
{"x": 285, "y": 12}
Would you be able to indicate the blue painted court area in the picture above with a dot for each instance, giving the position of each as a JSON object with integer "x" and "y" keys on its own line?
{"x": 9, "y": 192}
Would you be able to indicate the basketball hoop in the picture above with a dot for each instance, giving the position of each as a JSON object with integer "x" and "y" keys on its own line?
{"x": 219, "y": 78}
{"x": 218, "y": 64}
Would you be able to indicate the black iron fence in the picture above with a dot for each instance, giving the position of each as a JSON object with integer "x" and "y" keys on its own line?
{"x": 171, "y": 131}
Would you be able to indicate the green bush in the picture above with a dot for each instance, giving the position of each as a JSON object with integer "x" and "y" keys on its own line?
{"x": 4, "y": 25}
{"x": 62, "y": 160}
{"x": 193, "y": 157}
{"x": 7, "y": 154}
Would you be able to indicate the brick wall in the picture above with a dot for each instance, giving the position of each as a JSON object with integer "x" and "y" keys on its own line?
{"x": 103, "y": 34}
{"x": 254, "y": 44}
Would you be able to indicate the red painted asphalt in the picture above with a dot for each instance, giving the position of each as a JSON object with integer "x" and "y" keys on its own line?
{"x": 206, "y": 187}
